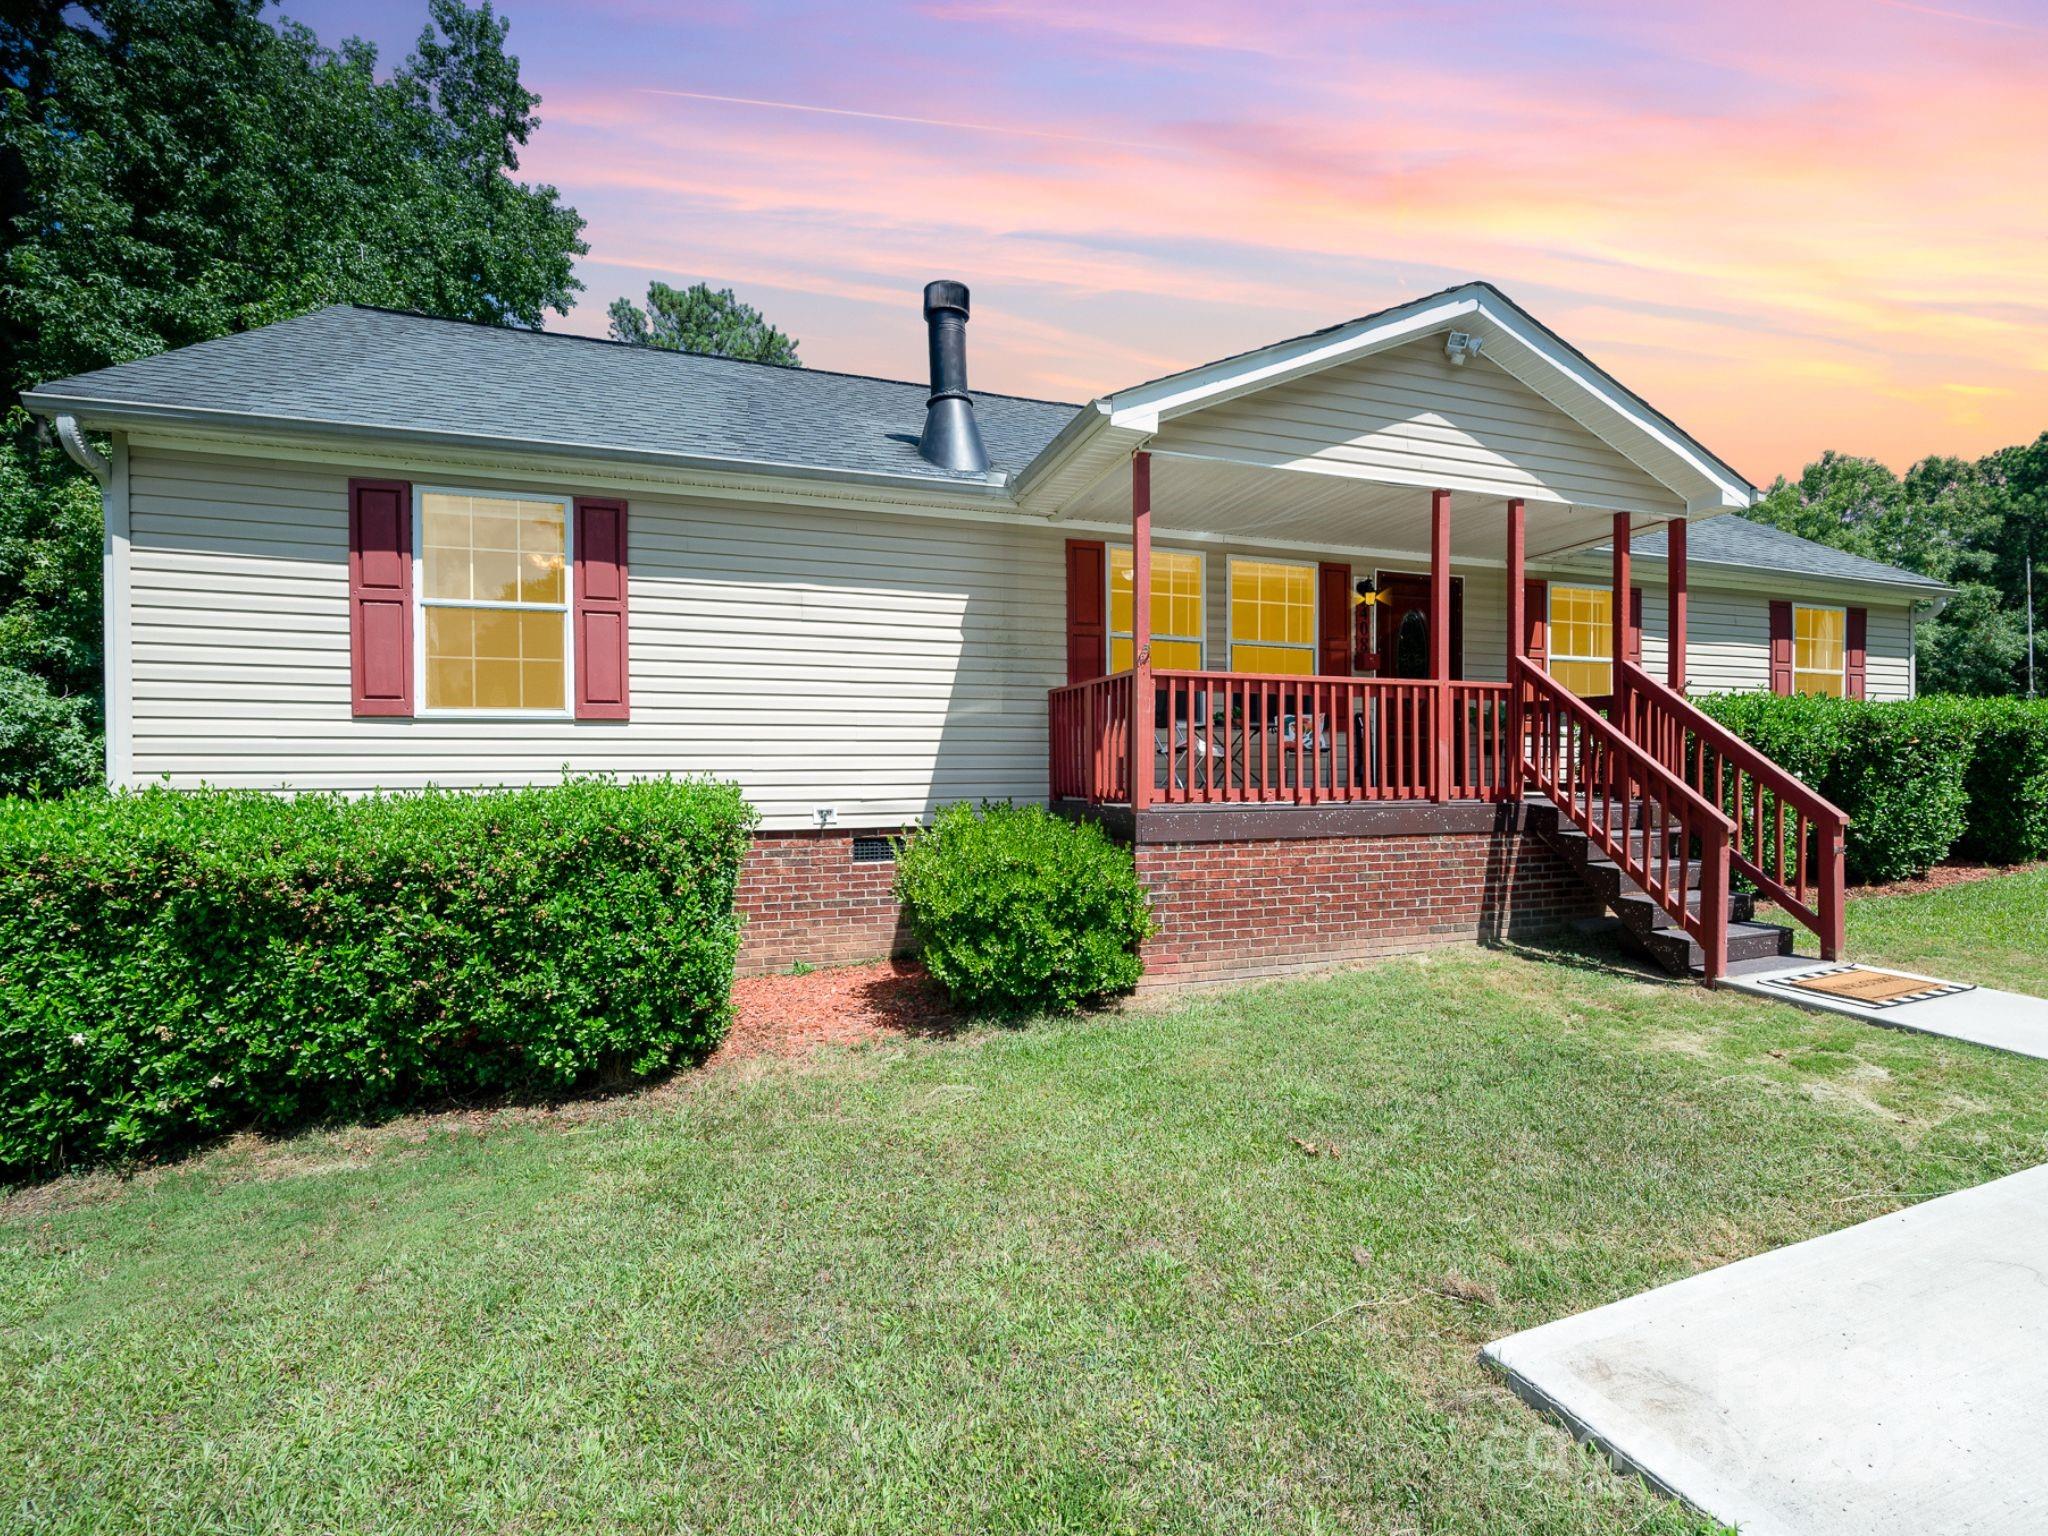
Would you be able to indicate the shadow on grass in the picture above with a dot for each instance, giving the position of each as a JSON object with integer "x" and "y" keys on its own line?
{"x": 1593, "y": 953}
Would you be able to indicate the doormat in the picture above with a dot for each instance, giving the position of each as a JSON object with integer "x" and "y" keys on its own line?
{"x": 1870, "y": 989}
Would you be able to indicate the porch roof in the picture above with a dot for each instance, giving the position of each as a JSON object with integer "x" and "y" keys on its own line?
{"x": 1335, "y": 438}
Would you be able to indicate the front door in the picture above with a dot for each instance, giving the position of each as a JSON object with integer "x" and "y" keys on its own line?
{"x": 1404, "y": 626}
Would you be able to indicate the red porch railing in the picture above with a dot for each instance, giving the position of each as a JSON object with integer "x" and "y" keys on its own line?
{"x": 1089, "y": 730}
{"x": 1247, "y": 738}
{"x": 1666, "y": 836}
{"x": 1788, "y": 840}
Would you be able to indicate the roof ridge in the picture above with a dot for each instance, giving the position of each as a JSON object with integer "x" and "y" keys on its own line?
{"x": 711, "y": 357}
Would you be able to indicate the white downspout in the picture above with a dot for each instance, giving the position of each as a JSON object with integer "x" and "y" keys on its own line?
{"x": 81, "y": 452}
{"x": 116, "y": 647}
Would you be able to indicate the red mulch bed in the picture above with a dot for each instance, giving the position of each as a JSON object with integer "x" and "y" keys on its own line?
{"x": 841, "y": 1005}
{"x": 1939, "y": 878}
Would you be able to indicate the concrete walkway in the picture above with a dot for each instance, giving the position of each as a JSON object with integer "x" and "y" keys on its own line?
{"x": 2005, "y": 1021}
{"x": 1890, "y": 1379}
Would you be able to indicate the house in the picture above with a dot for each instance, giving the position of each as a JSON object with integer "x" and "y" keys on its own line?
{"x": 362, "y": 549}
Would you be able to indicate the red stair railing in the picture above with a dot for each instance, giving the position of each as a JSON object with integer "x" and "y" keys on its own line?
{"x": 1788, "y": 840}
{"x": 1605, "y": 783}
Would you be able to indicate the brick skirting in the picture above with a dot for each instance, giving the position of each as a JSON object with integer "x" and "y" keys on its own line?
{"x": 805, "y": 899}
{"x": 1232, "y": 910}
{"x": 1227, "y": 910}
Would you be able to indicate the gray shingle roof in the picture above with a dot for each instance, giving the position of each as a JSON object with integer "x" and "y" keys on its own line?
{"x": 355, "y": 367}
{"x": 1735, "y": 540}
{"x": 378, "y": 370}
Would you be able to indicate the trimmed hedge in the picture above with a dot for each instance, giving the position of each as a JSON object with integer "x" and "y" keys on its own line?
{"x": 174, "y": 966}
{"x": 1016, "y": 909}
{"x": 2008, "y": 782}
{"x": 1917, "y": 777}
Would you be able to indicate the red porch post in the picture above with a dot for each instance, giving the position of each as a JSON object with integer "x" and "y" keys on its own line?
{"x": 1143, "y": 745}
{"x": 1518, "y": 638}
{"x": 1620, "y": 607}
{"x": 1674, "y": 594}
{"x": 1440, "y": 639}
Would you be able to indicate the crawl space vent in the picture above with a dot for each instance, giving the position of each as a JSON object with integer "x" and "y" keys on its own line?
{"x": 873, "y": 850}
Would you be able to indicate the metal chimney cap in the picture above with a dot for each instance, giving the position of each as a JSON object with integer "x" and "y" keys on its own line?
{"x": 945, "y": 294}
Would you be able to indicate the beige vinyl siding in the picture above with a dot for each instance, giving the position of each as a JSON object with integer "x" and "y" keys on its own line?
{"x": 1728, "y": 637}
{"x": 1408, "y": 416}
{"x": 881, "y": 665}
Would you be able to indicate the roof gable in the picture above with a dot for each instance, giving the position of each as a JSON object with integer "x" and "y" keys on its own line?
{"x": 1408, "y": 415}
{"x": 1513, "y": 341}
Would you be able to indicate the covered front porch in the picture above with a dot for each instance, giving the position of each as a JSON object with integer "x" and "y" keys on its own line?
{"x": 1389, "y": 698}
{"x": 1389, "y": 499}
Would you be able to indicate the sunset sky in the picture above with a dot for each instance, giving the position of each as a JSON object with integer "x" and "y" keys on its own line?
{"x": 1791, "y": 227}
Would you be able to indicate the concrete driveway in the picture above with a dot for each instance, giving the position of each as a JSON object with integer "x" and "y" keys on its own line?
{"x": 1890, "y": 1379}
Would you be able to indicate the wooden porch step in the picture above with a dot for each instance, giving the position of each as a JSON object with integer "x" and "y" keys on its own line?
{"x": 1642, "y": 919}
{"x": 1678, "y": 953}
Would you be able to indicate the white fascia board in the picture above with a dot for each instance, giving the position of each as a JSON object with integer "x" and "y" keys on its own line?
{"x": 1730, "y": 490}
{"x": 418, "y": 460}
{"x": 139, "y": 417}
{"x": 1144, "y": 407}
{"x": 1073, "y": 439}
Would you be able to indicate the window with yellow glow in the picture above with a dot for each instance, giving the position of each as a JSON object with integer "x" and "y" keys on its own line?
{"x": 1581, "y": 638}
{"x": 494, "y": 602}
{"x": 1176, "y": 610}
{"x": 1819, "y": 648}
{"x": 1272, "y": 617}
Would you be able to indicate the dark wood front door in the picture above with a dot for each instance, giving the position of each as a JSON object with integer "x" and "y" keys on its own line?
{"x": 1403, "y": 611}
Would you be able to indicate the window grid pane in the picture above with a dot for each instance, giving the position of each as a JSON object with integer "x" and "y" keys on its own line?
{"x": 1582, "y": 638}
{"x": 1272, "y": 617}
{"x": 509, "y": 553}
{"x": 1176, "y": 609}
{"x": 1818, "y": 639}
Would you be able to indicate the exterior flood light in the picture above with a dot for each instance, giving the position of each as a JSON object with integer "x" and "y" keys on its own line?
{"x": 1458, "y": 346}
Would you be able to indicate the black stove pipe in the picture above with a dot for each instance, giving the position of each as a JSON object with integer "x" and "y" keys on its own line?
{"x": 951, "y": 439}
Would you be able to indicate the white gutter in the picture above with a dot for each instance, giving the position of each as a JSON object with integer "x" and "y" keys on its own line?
{"x": 81, "y": 452}
{"x": 993, "y": 487}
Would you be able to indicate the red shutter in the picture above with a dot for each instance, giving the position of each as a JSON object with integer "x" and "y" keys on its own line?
{"x": 1781, "y": 648}
{"x": 1087, "y": 592}
{"x": 1536, "y": 621}
{"x": 1858, "y": 642}
{"x": 603, "y": 690}
{"x": 1333, "y": 620}
{"x": 1635, "y": 626}
{"x": 380, "y": 597}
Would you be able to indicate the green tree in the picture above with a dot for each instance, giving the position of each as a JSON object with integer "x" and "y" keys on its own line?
{"x": 189, "y": 170}
{"x": 1973, "y": 524}
{"x": 701, "y": 319}
{"x": 176, "y": 170}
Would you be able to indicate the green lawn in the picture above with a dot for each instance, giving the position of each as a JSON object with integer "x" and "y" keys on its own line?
{"x": 1073, "y": 1277}
{"x": 1992, "y": 932}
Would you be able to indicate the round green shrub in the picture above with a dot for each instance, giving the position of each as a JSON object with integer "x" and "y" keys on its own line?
{"x": 1017, "y": 910}
{"x": 175, "y": 966}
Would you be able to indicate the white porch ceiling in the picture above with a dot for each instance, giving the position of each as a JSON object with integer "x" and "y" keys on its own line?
{"x": 1212, "y": 499}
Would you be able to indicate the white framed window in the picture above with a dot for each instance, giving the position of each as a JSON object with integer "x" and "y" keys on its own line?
{"x": 1820, "y": 650}
{"x": 492, "y": 632}
{"x": 1272, "y": 616}
{"x": 1179, "y": 614}
{"x": 1580, "y": 637}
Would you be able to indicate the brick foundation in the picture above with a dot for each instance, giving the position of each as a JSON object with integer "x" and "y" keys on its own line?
{"x": 1233, "y": 910}
{"x": 805, "y": 899}
{"x": 1228, "y": 909}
